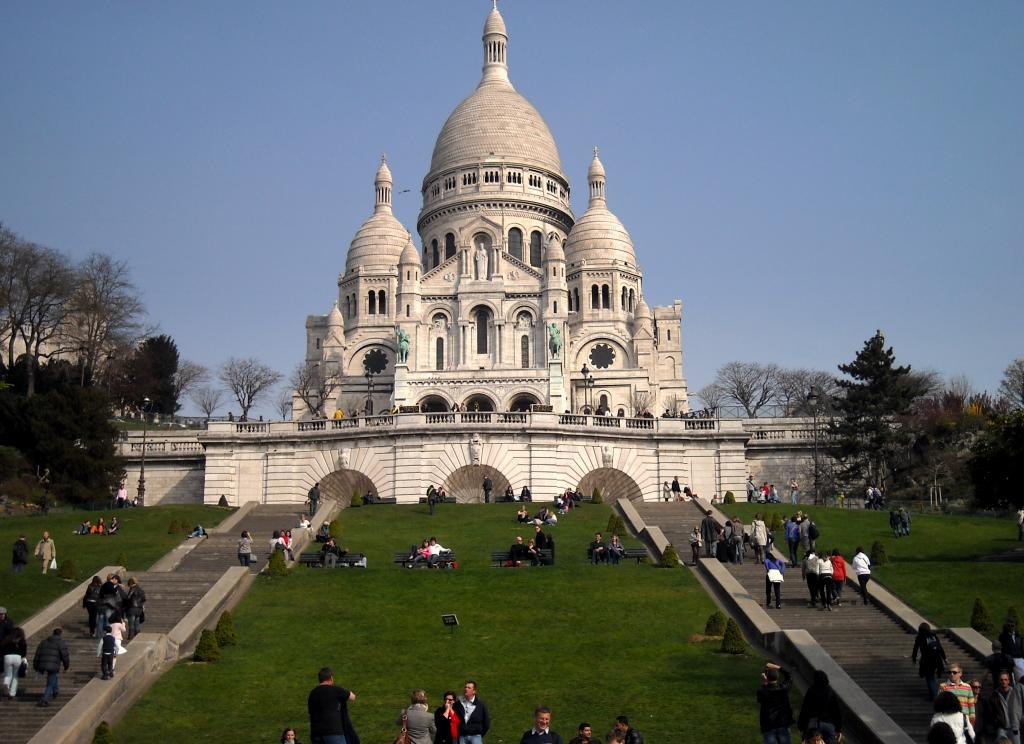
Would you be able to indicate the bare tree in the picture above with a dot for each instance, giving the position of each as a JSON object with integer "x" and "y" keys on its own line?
{"x": 247, "y": 379}
{"x": 793, "y": 386}
{"x": 315, "y": 383}
{"x": 713, "y": 396}
{"x": 284, "y": 404}
{"x": 43, "y": 283}
{"x": 640, "y": 401}
{"x": 674, "y": 403}
{"x": 208, "y": 399}
{"x": 1011, "y": 388}
{"x": 188, "y": 376}
{"x": 750, "y": 384}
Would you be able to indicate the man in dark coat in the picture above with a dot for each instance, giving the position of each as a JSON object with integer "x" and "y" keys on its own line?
{"x": 474, "y": 718}
{"x": 328, "y": 712}
{"x": 51, "y": 654}
{"x": 19, "y": 556}
{"x": 541, "y": 732}
{"x": 629, "y": 734}
{"x": 488, "y": 486}
{"x": 112, "y": 599}
{"x": 314, "y": 498}
{"x": 773, "y": 697}
{"x": 708, "y": 533}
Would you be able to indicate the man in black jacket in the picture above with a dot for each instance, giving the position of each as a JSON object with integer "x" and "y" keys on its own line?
{"x": 541, "y": 732}
{"x": 776, "y": 713}
{"x": 112, "y": 598}
{"x": 474, "y": 718}
{"x": 19, "y": 556}
{"x": 709, "y": 533}
{"x": 629, "y": 734}
{"x": 51, "y": 654}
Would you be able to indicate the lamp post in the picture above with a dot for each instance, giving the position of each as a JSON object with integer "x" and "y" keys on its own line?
{"x": 588, "y": 386}
{"x": 812, "y": 400}
{"x": 146, "y": 405}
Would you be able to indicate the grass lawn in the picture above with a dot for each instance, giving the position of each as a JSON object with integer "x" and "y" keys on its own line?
{"x": 935, "y": 568}
{"x": 591, "y": 642}
{"x": 142, "y": 538}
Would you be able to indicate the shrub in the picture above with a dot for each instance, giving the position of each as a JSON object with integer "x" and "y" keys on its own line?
{"x": 597, "y": 497}
{"x": 357, "y": 499}
{"x": 225, "y": 630}
{"x": 335, "y": 528}
{"x": 207, "y": 648}
{"x": 615, "y": 525}
{"x": 277, "y": 565}
{"x": 776, "y": 524}
{"x": 177, "y": 527}
{"x": 732, "y": 641}
{"x": 1011, "y": 615}
{"x": 730, "y": 498}
{"x": 122, "y": 559}
{"x": 878, "y": 556}
{"x": 670, "y": 559}
{"x": 67, "y": 570}
{"x": 103, "y": 734}
{"x": 223, "y": 501}
{"x": 981, "y": 620}
{"x": 715, "y": 625}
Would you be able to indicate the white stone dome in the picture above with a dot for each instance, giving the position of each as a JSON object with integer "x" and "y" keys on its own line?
{"x": 598, "y": 237}
{"x": 379, "y": 242}
{"x": 409, "y": 254}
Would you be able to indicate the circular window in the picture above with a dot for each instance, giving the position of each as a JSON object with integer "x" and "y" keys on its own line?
{"x": 375, "y": 361}
{"x": 602, "y": 356}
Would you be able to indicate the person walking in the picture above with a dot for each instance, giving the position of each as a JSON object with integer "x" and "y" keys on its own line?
{"x": 773, "y": 578}
{"x": 112, "y": 596}
{"x": 19, "y": 555}
{"x": 933, "y": 658}
{"x": 1001, "y": 711}
{"x": 820, "y": 709}
{"x": 13, "y": 651}
{"x": 417, "y": 720}
{"x": 776, "y": 713}
{"x": 695, "y": 543}
{"x": 474, "y": 717}
{"x": 328, "y": 712}
{"x": 91, "y": 602}
{"x": 825, "y": 583}
{"x": 792, "y": 529}
{"x": 51, "y": 654}
{"x": 759, "y": 537}
{"x": 838, "y": 576}
{"x": 1020, "y": 523}
{"x": 862, "y": 568}
{"x": 46, "y": 551}
{"x": 751, "y": 490}
{"x": 794, "y": 492}
{"x": 963, "y": 691}
{"x": 708, "y": 533}
{"x": 245, "y": 549}
{"x": 134, "y": 607}
{"x": 947, "y": 710}
{"x": 314, "y": 498}
{"x": 541, "y": 732}
{"x": 677, "y": 491}
{"x": 809, "y": 573}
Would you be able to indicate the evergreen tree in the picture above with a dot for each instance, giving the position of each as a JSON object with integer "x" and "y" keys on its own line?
{"x": 156, "y": 364}
{"x": 866, "y": 432}
{"x": 995, "y": 462}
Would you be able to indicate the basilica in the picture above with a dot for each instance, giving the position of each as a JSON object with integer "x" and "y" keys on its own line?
{"x": 508, "y": 301}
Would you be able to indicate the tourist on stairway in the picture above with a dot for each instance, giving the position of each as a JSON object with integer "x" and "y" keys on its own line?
{"x": 820, "y": 709}
{"x": 862, "y": 567}
{"x": 933, "y": 658}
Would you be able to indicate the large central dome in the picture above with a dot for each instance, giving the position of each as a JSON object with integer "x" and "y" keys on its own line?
{"x": 494, "y": 121}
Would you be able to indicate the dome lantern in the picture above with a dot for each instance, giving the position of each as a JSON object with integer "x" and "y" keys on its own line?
{"x": 595, "y": 176}
{"x": 495, "y": 48}
{"x": 382, "y": 186}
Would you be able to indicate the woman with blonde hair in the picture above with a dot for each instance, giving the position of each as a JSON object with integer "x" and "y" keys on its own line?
{"x": 417, "y": 719}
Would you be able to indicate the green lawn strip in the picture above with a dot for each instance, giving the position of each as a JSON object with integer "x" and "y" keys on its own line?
{"x": 142, "y": 537}
{"x": 592, "y": 642}
{"x": 934, "y": 569}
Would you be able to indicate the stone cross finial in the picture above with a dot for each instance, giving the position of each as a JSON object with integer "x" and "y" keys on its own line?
{"x": 383, "y": 158}
{"x": 595, "y": 151}
{"x": 494, "y": 4}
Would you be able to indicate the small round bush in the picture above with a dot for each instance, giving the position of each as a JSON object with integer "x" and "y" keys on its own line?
{"x": 335, "y": 528}
{"x": 225, "y": 630}
{"x": 776, "y": 523}
{"x": 715, "y": 625}
{"x": 597, "y": 497}
{"x": 730, "y": 498}
{"x": 207, "y": 648}
{"x": 357, "y": 499}
{"x": 103, "y": 734}
{"x": 615, "y": 525}
{"x": 277, "y": 565}
{"x": 172, "y": 527}
{"x": 122, "y": 559}
{"x": 67, "y": 570}
{"x": 670, "y": 559}
{"x": 878, "y": 556}
{"x": 981, "y": 619}
{"x": 732, "y": 641}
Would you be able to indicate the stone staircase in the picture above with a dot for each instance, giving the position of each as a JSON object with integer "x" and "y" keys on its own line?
{"x": 870, "y": 645}
{"x": 169, "y": 596}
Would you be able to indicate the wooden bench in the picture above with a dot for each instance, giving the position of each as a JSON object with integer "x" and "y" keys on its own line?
{"x": 447, "y": 500}
{"x": 636, "y": 553}
{"x": 349, "y": 560}
{"x": 446, "y": 560}
{"x": 500, "y": 557}
{"x": 381, "y": 500}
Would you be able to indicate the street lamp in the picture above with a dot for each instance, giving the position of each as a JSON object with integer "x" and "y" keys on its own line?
{"x": 146, "y": 405}
{"x": 588, "y": 385}
{"x": 812, "y": 400}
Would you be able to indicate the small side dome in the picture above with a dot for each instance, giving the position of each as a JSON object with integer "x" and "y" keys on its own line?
{"x": 642, "y": 312}
{"x": 410, "y": 255}
{"x": 334, "y": 319}
{"x": 598, "y": 237}
{"x": 379, "y": 242}
{"x": 554, "y": 251}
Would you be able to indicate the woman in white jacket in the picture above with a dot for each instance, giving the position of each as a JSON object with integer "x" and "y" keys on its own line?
{"x": 862, "y": 567}
{"x": 948, "y": 711}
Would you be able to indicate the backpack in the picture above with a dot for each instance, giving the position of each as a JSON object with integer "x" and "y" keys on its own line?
{"x": 812, "y": 531}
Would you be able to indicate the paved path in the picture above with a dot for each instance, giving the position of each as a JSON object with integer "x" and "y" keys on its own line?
{"x": 872, "y": 648}
{"x": 169, "y": 596}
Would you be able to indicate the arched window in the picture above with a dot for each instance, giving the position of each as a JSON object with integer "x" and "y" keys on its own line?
{"x": 595, "y": 303}
{"x": 371, "y": 299}
{"x": 515, "y": 243}
{"x": 439, "y": 354}
{"x": 355, "y": 306}
{"x": 632, "y": 300}
{"x": 483, "y": 319}
{"x": 449, "y": 246}
{"x": 570, "y": 301}
{"x": 625, "y": 306}
{"x": 524, "y": 351}
{"x": 535, "y": 239}
{"x": 382, "y": 303}
{"x": 603, "y": 402}
{"x": 606, "y": 300}
{"x": 435, "y": 254}
{"x": 576, "y": 296}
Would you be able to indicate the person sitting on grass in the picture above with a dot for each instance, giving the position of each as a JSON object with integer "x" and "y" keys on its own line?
{"x": 198, "y": 531}
{"x": 114, "y": 527}
{"x": 324, "y": 533}
{"x": 523, "y": 516}
{"x": 101, "y": 527}
{"x": 85, "y": 528}
{"x": 596, "y": 551}
{"x": 518, "y": 552}
{"x": 615, "y": 550}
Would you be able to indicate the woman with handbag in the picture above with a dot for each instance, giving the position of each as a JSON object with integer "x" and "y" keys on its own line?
{"x": 13, "y": 651}
{"x": 416, "y": 721}
{"x": 775, "y": 569}
{"x": 446, "y": 721}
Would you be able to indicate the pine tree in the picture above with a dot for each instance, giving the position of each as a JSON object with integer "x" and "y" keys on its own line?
{"x": 732, "y": 641}
{"x": 225, "y": 630}
{"x": 103, "y": 734}
{"x": 981, "y": 619}
{"x": 715, "y": 625}
{"x": 207, "y": 648}
{"x": 670, "y": 559}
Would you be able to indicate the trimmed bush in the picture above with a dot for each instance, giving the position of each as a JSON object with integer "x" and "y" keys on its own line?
{"x": 122, "y": 559}
{"x": 67, "y": 570}
{"x": 277, "y": 565}
{"x": 732, "y": 641}
{"x": 207, "y": 648}
{"x": 103, "y": 734}
{"x": 878, "y": 556}
{"x": 776, "y": 524}
{"x": 730, "y": 498}
{"x": 223, "y": 501}
{"x": 225, "y": 630}
{"x": 357, "y": 499}
{"x": 597, "y": 497}
{"x": 1011, "y": 615}
{"x": 335, "y": 528}
{"x": 981, "y": 619}
{"x": 615, "y": 525}
{"x": 715, "y": 625}
{"x": 669, "y": 559}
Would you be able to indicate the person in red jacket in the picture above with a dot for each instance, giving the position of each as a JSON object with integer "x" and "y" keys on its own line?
{"x": 838, "y": 576}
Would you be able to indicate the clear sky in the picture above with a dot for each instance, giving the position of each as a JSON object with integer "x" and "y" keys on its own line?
{"x": 798, "y": 173}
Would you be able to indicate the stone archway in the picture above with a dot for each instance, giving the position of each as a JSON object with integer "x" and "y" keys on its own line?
{"x": 466, "y": 484}
{"x": 342, "y": 484}
{"x": 434, "y": 404}
{"x": 479, "y": 402}
{"x": 614, "y": 484}
{"x": 523, "y": 401}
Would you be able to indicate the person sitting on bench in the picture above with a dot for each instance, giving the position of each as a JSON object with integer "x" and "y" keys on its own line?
{"x": 523, "y": 516}
{"x": 435, "y": 551}
{"x": 324, "y": 533}
{"x": 534, "y": 554}
{"x": 597, "y": 551}
{"x": 525, "y": 495}
{"x": 545, "y": 542}
{"x": 420, "y": 554}
{"x": 519, "y": 552}
{"x": 510, "y": 495}
{"x": 330, "y": 553}
{"x": 615, "y": 550}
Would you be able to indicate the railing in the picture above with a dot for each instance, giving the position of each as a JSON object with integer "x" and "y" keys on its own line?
{"x": 188, "y": 447}
{"x": 440, "y": 418}
{"x": 511, "y": 418}
{"x": 700, "y": 424}
{"x": 475, "y": 417}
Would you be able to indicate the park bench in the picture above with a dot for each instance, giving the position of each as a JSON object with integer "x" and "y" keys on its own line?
{"x": 447, "y": 500}
{"x": 635, "y": 553}
{"x": 500, "y": 559}
{"x": 445, "y": 560}
{"x": 381, "y": 500}
{"x": 349, "y": 560}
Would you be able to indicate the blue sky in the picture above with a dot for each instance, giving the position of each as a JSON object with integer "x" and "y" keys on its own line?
{"x": 798, "y": 173}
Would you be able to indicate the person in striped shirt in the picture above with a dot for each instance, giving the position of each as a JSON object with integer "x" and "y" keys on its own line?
{"x": 955, "y": 684}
